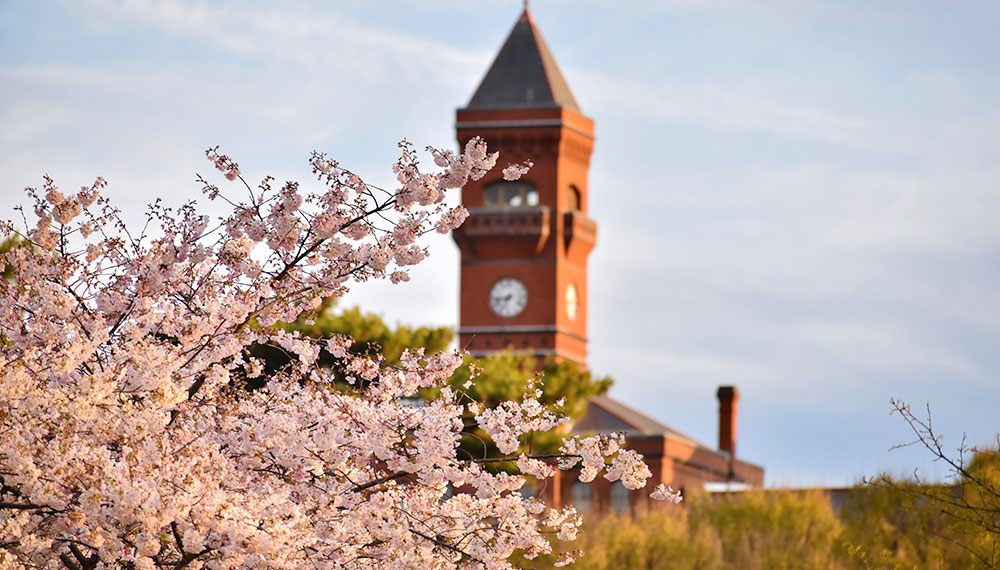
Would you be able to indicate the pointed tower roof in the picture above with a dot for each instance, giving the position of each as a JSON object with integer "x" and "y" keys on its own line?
{"x": 524, "y": 74}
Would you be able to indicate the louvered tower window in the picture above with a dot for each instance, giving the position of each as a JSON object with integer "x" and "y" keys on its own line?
{"x": 510, "y": 195}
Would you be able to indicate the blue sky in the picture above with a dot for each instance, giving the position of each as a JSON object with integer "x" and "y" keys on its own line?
{"x": 799, "y": 198}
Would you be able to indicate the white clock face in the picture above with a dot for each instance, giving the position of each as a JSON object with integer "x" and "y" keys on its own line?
{"x": 572, "y": 302}
{"x": 508, "y": 297}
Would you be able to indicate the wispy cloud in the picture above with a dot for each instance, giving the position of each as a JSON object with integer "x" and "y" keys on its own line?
{"x": 724, "y": 108}
{"x": 300, "y": 34}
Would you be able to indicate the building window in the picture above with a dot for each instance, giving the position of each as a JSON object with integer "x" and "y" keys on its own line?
{"x": 573, "y": 199}
{"x": 581, "y": 497}
{"x": 510, "y": 195}
{"x": 620, "y": 497}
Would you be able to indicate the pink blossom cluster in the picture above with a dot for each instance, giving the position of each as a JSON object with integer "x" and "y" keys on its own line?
{"x": 506, "y": 423}
{"x": 223, "y": 163}
{"x": 516, "y": 171}
{"x": 665, "y": 493}
{"x": 129, "y": 436}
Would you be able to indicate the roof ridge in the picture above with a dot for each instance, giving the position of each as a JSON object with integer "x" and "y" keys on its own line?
{"x": 623, "y": 407}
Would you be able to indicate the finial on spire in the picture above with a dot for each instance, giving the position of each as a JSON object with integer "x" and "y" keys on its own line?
{"x": 525, "y": 5}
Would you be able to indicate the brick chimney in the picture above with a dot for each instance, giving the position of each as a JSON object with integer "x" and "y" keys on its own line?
{"x": 729, "y": 398}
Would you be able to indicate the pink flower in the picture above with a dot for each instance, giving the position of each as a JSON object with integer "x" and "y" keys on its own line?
{"x": 664, "y": 493}
{"x": 516, "y": 171}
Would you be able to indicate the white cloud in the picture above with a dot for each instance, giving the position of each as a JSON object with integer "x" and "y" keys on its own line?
{"x": 875, "y": 346}
{"x": 26, "y": 121}
{"x": 723, "y": 107}
{"x": 314, "y": 37}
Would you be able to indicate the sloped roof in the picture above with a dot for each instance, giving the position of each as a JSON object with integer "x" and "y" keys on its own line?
{"x": 524, "y": 74}
{"x": 607, "y": 415}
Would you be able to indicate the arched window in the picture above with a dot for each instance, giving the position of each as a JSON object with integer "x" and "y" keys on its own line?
{"x": 620, "y": 498}
{"x": 573, "y": 198}
{"x": 581, "y": 497}
{"x": 506, "y": 194}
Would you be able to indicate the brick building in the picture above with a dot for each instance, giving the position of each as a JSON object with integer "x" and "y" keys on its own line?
{"x": 524, "y": 252}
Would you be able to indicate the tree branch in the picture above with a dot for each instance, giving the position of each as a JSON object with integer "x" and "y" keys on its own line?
{"x": 379, "y": 481}
{"x": 443, "y": 544}
{"x": 23, "y": 506}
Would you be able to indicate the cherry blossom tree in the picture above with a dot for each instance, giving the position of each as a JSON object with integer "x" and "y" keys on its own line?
{"x": 129, "y": 437}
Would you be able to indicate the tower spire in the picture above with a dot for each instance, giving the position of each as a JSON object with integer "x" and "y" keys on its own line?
{"x": 524, "y": 74}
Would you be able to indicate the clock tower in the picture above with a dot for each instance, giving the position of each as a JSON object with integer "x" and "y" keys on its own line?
{"x": 525, "y": 245}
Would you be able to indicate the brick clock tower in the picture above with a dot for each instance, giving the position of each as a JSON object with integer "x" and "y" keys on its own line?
{"x": 525, "y": 245}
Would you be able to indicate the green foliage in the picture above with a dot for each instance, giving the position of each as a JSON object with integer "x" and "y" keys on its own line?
{"x": 661, "y": 540}
{"x": 770, "y": 530}
{"x": 891, "y": 525}
{"x": 965, "y": 522}
{"x": 369, "y": 332}
{"x": 8, "y": 243}
{"x": 502, "y": 377}
{"x": 897, "y": 526}
{"x": 910, "y": 524}
{"x": 746, "y": 531}
{"x": 978, "y": 503}
{"x": 6, "y": 273}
